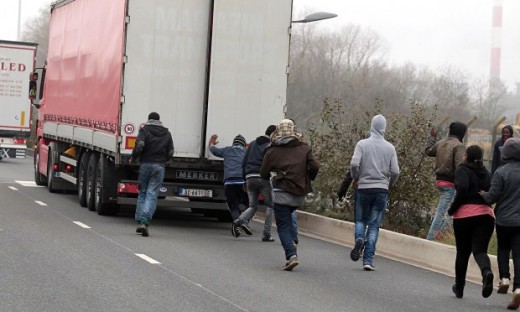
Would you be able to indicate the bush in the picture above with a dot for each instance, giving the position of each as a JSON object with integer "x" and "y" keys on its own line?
{"x": 333, "y": 142}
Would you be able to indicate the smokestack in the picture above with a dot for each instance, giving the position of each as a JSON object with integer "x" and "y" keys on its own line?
{"x": 496, "y": 40}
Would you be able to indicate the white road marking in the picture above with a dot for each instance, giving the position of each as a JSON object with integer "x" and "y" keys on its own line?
{"x": 146, "y": 258}
{"x": 13, "y": 188}
{"x": 28, "y": 183}
{"x": 40, "y": 203}
{"x": 81, "y": 224}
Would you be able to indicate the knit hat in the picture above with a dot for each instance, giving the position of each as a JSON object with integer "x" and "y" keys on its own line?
{"x": 154, "y": 116}
{"x": 285, "y": 128}
{"x": 458, "y": 129}
{"x": 239, "y": 140}
{"x": 511, "y": 150}
{"x": 270, "y": 130}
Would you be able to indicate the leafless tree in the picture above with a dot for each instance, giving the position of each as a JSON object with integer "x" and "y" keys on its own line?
{"x": 36, "y": 29}
{"x": 487, "y": 96}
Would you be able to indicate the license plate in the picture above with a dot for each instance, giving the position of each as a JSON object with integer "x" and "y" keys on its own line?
{"x": 195, "y": 193}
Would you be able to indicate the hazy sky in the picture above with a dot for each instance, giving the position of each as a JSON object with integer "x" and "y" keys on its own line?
{"x": 435, "y": 33}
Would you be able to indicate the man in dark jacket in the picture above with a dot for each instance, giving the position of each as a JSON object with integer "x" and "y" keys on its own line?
{"x": 233, "y": 180}
{"x": 256, "y": 185}
{"x": 448, "y": 153}
{"x": 292, "y": 166}
{"x": 153, "y": 148}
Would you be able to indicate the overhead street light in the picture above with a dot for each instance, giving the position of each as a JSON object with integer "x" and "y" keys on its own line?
{"x": 318, "y": 16}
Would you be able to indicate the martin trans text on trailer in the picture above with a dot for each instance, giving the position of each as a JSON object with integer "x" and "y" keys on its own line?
{"x": 17, "y": 60}
{"x": 206, "y": 66}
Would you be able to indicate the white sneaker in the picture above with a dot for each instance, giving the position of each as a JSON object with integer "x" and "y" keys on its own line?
{"x": 515, "y": 300}
{"x": 503, "y": 286}
{"x": 369, "y": 267}
{"x": 291, "y": 263}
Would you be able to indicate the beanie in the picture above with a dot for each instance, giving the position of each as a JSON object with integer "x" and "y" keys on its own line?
{"x": 458, "y": 129}
{"x": 154, "y": 116}
{"x": 270, "y": 130}
{"x": 239, "y": 139}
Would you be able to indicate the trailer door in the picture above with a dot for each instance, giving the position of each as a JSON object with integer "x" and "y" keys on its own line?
{"x": 166, "y": 48}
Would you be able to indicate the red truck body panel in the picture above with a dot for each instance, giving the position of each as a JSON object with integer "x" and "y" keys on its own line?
{"x": 82, "y": 89}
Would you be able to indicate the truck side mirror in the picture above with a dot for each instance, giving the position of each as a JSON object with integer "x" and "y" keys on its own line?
{"x": 34, "y": 95}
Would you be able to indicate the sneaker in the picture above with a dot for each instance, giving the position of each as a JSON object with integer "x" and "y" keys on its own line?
{"x": 458, "y": 291}
{"x": 487, "y": 284}
{"x": 368, "y": 267}
{"x": 246, "y": 229}
{"x": 235, "y": 230}
{"x": 267, "y": 239}
{"x": 515, "y": 300}
{"x": 503, "y": 286}
{"x": 358, "y": 248}
{"x": 138, "y": 229}
{"x": 291, "y": 263}
{"x": 144, "y": 230}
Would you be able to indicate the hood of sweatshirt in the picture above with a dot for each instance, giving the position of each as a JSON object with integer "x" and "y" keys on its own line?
{"x": 156, "y": 128}
{"x": 262, "y": 140}
{"x": 511, "y": 150}
{"x": 378, "y": 126}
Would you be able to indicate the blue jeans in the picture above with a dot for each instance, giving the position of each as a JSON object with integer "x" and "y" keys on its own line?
{"x": 256, "y": 186}
{"x": 294, "y": 228}
{"x": 441, "y": 221}
{"x": 370, "y": 208}
{"x": 150, "y": 180}
{"x": 285, "y": 225}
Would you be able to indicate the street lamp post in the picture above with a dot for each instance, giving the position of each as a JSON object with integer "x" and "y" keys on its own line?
{"x": 313, "y": 17}
{"x": 19, "y": 20}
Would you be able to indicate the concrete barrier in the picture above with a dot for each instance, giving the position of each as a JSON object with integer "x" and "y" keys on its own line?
{"x": 403, "y": 248}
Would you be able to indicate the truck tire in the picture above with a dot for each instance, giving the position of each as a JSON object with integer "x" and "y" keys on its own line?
{"x": 91, "y": 181}
{"x": 50, "y": 169}
{"x": 82, "y": 178}
{"x": 105, "y": 187}
{"x": 39, "y": 178}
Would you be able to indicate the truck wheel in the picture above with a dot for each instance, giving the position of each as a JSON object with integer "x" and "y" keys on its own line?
{"x": 91, "y": 181}
{"x": 82, "y": 179}
{"x": 50, "y": 170}
{"x": 39, "y": 178}
{"x": 105, "y": 187}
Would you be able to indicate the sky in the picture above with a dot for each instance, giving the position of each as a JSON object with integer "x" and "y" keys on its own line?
{"x": 434, "y": 33}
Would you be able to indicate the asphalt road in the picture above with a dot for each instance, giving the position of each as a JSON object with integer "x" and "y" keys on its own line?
{"x": 57, "y": 256}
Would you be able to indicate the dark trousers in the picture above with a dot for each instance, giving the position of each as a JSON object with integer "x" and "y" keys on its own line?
{"x": 508, "y": 238}
{"x": 235, "y": 196}
{"x": 287, "y": 228}
{"x": 472, "y": 235}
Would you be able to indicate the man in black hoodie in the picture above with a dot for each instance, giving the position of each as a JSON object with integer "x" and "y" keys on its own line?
{"x": 154, "y": 147}
{"x": 256, "y": 185}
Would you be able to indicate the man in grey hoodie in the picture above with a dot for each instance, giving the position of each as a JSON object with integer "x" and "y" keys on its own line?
{"x": 504, "y": 191}
{"x": 374, "y": 169}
